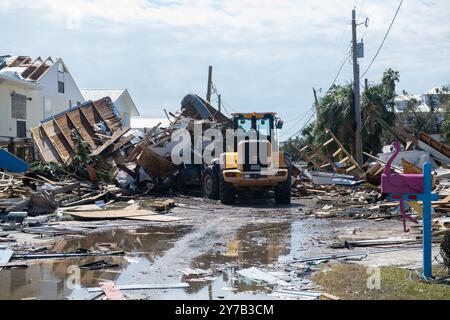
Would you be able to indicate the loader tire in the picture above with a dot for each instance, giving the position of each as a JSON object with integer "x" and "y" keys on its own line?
{"x": 227, "y": 192}
{"x": 283, "y": 191}
{"x": 210, "y": 183}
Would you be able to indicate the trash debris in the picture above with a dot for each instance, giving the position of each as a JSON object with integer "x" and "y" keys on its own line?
{"x": 258, "y": 275}
{"x": 5, "y": 255}
{"x": 111, "y": 291}
{"x": 64, "y": 255}
{"x": 102, "y": 264}
{"x": 144, "y": 287}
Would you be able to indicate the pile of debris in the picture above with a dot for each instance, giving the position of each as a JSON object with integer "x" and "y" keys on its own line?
{"x": 89, "y": 160}
{"x": 335, "y": 175}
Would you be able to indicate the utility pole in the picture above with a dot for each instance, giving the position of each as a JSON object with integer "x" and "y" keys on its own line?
{"x": 316, "y": 100}
{"x": 357, "y": 93}
{"x": 219, "y": 96}
{"x": 209, "y": 90}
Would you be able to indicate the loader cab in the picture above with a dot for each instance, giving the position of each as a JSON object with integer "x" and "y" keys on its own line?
{"x": 264, "y": 124}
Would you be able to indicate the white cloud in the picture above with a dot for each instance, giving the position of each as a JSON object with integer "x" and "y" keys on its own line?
{"x": 267, "y": 52}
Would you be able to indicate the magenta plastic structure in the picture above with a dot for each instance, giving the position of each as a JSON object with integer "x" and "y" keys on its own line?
{"x": 402, "y": 187}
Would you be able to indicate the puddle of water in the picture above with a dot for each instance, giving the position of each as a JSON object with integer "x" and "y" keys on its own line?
{"x": 255, "y": 245}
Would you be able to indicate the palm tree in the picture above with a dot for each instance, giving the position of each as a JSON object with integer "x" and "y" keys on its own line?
{"x": 335, "y": 111}
{"x": 390, "y": 78}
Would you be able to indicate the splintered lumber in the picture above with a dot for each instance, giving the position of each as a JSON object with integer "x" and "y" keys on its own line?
{"x": 438, "y": 146}
{"x": 341, "y": 146}
{"x": 182, "y": 285}
{"x": 410, "y": 168}
{"x": 116, "y": 136}
{"x": 399, "y": 170}
{"x": 112, "y": 292}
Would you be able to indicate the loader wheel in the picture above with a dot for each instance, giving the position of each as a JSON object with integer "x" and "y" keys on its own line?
{"x": 283, "y": 191}
{"x": 210, "y": 183}
{"x": 227, "y": 192}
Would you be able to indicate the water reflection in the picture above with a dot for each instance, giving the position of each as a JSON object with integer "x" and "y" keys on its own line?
{"x": 50, "y": 279}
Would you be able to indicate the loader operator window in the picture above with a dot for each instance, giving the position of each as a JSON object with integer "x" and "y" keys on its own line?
{"x": 245, "y": 124}
{"x": 263, "y": 127}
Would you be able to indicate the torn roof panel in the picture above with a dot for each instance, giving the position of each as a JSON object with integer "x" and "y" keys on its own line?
{"x": 24, "y": 67}
{"x": 53, "y": 138}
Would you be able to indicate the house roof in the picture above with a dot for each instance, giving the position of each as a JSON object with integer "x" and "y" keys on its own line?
{"x": 436, "y": 90}
{"x": 97, "y": 94}
{"x": 25, "y": 68}
{"x": 114, "y": 94}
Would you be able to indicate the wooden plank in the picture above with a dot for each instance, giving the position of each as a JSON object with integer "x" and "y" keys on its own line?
{"x": 116, "y": 136}
{"x": 350, "y": 157}
{"x": 343, "y": 160}
{"x": 435, "y": 153}
{"x": 130, "y": 211}
{"x": 121, "y": 143}
{"x": 328, "y": 142}
{"x": 437, "y": 145}
{"x": 337, "y": 153}
{"x": 53, "y": 144}
{"x": 68, "y": 188}
{"x": 112, "y": 292}
{"x": 75, "y": 118}
{"x": 65, "y": 131}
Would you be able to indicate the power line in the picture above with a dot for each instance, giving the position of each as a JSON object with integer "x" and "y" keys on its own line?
{"x": 305, "y": 125}
{"x": 340, "y": 70}
{"x": 303, "y": 116}
{"x": 384, "y": 39}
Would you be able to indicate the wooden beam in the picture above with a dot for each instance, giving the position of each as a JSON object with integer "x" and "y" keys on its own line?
{"x": 47, "y": 134}
{"x": 67, "y": 139}
{"x": 345, "y": 151}
{"x": 116, "y": 136}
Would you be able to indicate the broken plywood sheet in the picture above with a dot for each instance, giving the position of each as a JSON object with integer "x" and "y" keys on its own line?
{"x": 5, "y": 255}
{"x": 127, "y": 212}
{"x": 130, "y": 213}
{"x": 258, "y": 275}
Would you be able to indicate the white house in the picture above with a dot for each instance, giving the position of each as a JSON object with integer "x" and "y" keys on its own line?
{"x": 32, "y": 90}
{"x": 120, "y": 97}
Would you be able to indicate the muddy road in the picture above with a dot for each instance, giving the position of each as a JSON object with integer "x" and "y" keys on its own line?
{"x": 215, "y": 238}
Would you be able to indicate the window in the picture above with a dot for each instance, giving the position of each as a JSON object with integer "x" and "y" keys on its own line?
{"x": 18, "y": 106}
{"x": 61, "y": 88}
{"x": 21, "y": 129}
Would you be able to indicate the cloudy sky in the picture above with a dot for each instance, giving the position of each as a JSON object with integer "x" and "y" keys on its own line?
{"x": 267, "y": 54}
